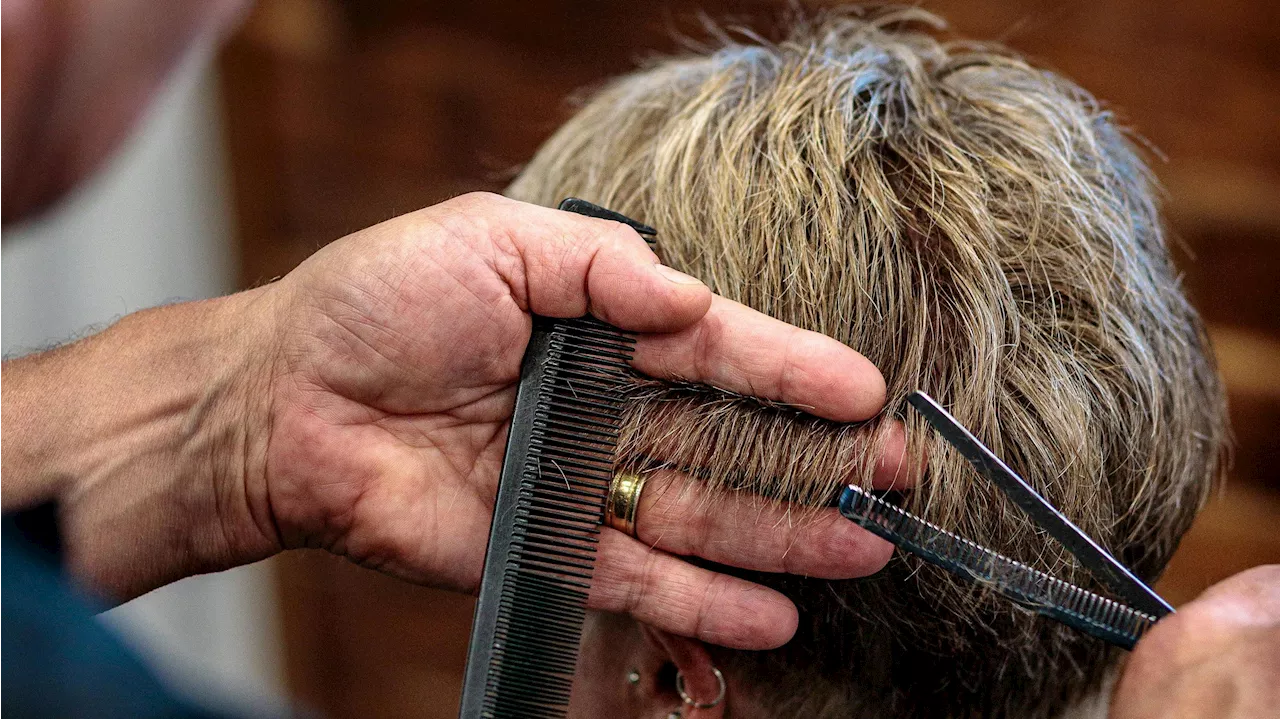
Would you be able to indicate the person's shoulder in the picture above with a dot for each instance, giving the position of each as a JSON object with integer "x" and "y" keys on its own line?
{"x": 59, "y": 661}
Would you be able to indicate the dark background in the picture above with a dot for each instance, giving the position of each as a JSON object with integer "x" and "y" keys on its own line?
{"x": 343, "y": 114}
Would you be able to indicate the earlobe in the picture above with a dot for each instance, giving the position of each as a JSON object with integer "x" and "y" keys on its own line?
{"x": 698, "y": 686}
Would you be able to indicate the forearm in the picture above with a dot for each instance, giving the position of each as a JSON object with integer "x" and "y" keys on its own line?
{"x": 145, "y": 434}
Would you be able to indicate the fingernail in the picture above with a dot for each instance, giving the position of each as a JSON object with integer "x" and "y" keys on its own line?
{"x": 676, "y": 276}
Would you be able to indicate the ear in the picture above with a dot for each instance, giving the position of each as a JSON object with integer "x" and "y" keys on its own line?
{"x": 693, "y": 672}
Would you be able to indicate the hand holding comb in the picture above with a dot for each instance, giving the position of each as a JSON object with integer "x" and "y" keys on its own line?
{"x": 557, "y": 470}
{"x": 546, "y": 522}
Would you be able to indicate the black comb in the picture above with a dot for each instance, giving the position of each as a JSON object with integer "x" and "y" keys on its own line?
{"x": 1086, "y": 611}
{"x": 546, "y": 521}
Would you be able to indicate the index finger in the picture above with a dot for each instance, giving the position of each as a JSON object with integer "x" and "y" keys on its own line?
{"x": 733, "y": 347}
{"x": 564, "y": 265}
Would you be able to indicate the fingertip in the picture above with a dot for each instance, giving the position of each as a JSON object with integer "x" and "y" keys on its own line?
{"x": 851, "y": 387}
{"x": 689, "y": 298}
{"x": 785, "y": 627}
{"x": 767, "y": 620}
{"x": 631, "y": 290}
{"x": 878, "y": 552}
{"x": 676, "y": 277}
{"x": 894, "y": 469}
{"x": 872, "y": 390}
{"x": 842, "y": 550}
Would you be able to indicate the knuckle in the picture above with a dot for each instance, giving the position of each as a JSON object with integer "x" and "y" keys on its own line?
{"x": 711, "y": 594}
{"x": 641, "y": 587}
{"x": 708, "y": 338}
{"x": 478, "y": 199}
{"x": 790, "y": 563}
{"x": 788, "y": 373}
{"x": 700, "y": 529}
{"x": 605, "y": 232}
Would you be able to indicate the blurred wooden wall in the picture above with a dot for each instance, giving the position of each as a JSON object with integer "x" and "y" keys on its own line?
{"x": 342, "y": 114}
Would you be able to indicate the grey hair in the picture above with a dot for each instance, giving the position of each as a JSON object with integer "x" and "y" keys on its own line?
{"x": 979, "y": 229}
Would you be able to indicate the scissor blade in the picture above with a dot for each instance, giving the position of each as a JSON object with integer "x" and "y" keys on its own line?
{"x": 1097, "y": 560}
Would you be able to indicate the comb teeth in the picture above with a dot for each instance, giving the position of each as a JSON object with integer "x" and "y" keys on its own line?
{"x": 551, "y": 501}
{"x": 1091, "y": 613}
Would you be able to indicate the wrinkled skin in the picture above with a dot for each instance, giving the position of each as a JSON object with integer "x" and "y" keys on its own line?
{"x": 389, "y": 426}
{"x": 1218, "y": 656}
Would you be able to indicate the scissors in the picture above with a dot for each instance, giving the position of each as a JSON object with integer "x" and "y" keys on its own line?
{"x": 1120, "y": 623}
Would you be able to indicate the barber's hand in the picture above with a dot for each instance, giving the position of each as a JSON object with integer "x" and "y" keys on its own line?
{"x": 397, "y": 351}
{"x": 1219, "y": 656}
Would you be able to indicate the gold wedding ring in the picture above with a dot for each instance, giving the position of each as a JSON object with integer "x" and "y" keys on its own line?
{"x": 623, "y": 502}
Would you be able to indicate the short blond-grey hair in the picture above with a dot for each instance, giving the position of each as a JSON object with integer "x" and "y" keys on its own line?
{"x": 981, "y": 230}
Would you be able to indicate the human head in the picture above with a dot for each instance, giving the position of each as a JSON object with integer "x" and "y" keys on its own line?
{"x": 77, "y": 75}
{"x": 979, "y": 229}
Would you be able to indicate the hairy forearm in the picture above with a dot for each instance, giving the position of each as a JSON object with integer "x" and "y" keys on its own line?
{"x": 145, "y": 434}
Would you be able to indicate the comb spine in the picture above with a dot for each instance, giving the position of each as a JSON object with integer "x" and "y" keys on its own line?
{"x": 518, "y": 458}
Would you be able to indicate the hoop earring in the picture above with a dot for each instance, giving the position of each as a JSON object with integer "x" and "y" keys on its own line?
{"x": 694, "y": 703}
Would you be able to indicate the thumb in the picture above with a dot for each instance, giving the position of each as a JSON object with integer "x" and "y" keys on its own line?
{"x": 559, "y": 264}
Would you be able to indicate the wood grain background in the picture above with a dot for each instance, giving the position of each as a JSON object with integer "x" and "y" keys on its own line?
{"x": 342, "y": 114}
